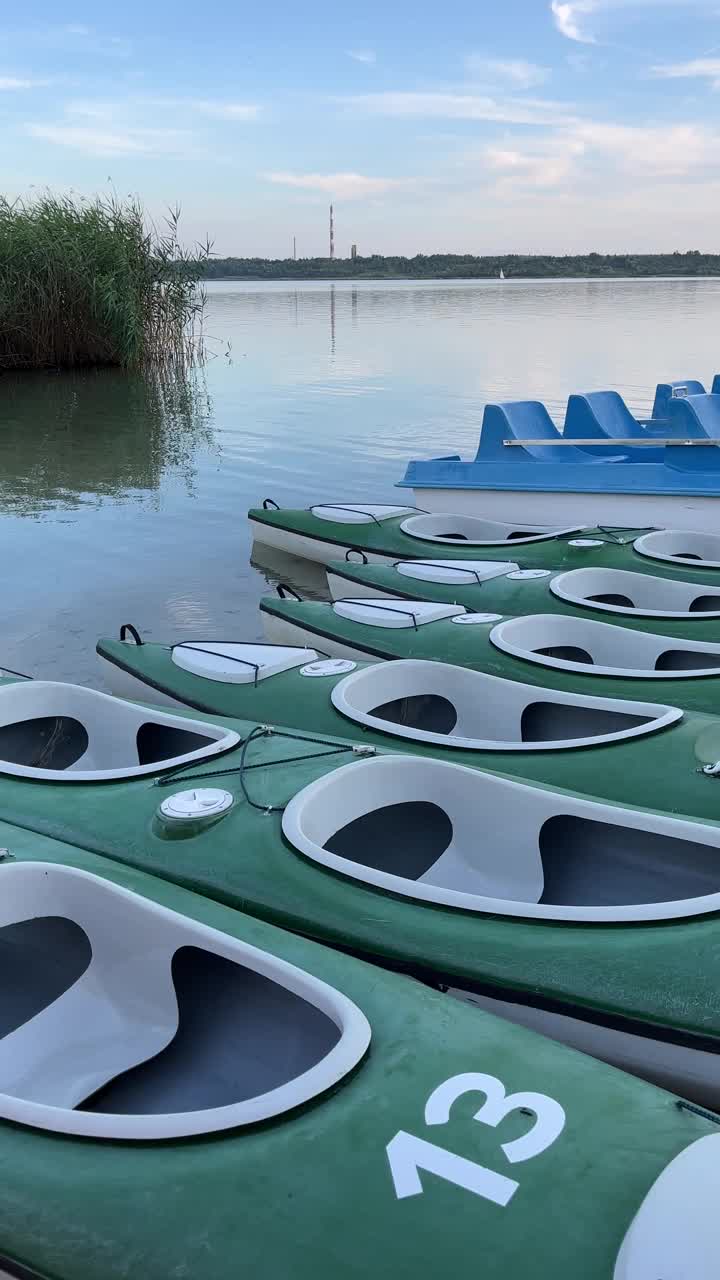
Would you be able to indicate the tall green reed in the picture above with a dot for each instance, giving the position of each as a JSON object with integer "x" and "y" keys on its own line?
{"x": 87, "y": 282}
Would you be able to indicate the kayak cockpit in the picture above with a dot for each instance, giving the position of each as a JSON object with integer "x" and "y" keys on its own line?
{"x": 445, "y": 834}
{"x": 126, "y": 1020}
{"x": 474, "y": 531}
{"x": 621, "y": 591}
{"x": 584, "y": 645}
{"x": 434, "y": 702}
{"x": 680, "y": 546}
{"x": 66, "y": 733}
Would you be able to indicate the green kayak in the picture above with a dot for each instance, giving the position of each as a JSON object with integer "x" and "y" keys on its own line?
{"x": 637, "y": 753}
{"x": 597, "y": 924}
{"x": 187, "y": 1091}
{"x": 326, "y": 532}
{"x": 627, "y": 599}
{"x": 571, "y": 654}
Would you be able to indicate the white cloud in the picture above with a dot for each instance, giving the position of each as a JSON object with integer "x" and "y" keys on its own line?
{"x": 9, "y": 83}
{"x": 362, "y": 55}
{"x": 225, "y": 110}
{"x": 547, "y": 165}
{"x": 110, "y": 142}
{"x": 515, "y": 71}
{"x": 566, "y": 14}
{"x": 461, "y": 106}
{"x": 657, "y": 151}
{"x": 695, "y": 69}
{"x": 569, "y": 15}
{"x": 341, "y": 186}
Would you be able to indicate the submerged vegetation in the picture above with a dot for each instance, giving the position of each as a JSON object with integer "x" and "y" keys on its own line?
{"x": 456, "y": 266}
{"x": 88, "y": 283}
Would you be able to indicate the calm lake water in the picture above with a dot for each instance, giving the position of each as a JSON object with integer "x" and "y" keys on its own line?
{"x": 123, "y": 499}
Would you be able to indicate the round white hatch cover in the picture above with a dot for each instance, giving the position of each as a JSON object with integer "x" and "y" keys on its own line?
{"x": 328, "y": 667}
{"x": 196, "y": 805}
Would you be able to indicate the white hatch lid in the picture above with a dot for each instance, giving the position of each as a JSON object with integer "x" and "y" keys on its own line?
{"x": 527, "y": 575}
{"x": 585, "y": 542}
{"x": 239, "y": 663}
{"x": 675, "y": 1234}
{"x": 463, "y": 572}
{"x": 472, "y": 619}
{"x": 198, "y": 804}
{"x": 390, "y": 612}
{"x": 354, "y": 513}
{"x": 328, "y": 667}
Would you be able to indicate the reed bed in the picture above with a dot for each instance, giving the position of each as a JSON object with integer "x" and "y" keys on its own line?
{"x": 87, "y": 283}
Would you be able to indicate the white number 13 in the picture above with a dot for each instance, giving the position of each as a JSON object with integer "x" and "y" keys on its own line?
{"x": 408, "y": 1154}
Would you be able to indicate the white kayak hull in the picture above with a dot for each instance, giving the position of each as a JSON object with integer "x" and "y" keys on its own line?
{"x": 632, "y": 510}
{"x": 124, "y": 685}
{"x": 295, "y": 544}
{"x": 693, "y": 1073}
{"x": 280, "y": 631}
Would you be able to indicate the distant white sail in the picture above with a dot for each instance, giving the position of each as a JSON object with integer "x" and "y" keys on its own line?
{"x": 502, "y": 274}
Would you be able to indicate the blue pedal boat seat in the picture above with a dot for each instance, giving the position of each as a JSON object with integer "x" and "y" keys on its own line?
{"x": 666, "y": 391}
{"x": 529, "y": 420}
{"x": 604, "y": 415}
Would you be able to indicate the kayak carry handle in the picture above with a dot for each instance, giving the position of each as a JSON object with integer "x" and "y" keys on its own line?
{"x": 269, "y": 504}
{"x": 287, "y": 593}
{"x": 356, "y": 551}
{"x": 127, "y": 629}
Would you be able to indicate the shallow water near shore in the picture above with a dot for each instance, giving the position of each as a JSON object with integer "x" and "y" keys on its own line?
{"x": 123, "y": 498}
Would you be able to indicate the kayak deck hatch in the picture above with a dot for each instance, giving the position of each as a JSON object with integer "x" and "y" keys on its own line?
{"x": 434, "y": 702}
{"x": 443, "y": 833}
{"x": 126, "y": 1020}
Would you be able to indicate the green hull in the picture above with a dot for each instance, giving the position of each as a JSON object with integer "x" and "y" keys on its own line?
{"x": 660, "y": 975}
{"x": 508, "y": 597}
{"x": 317, "y": 624}
{"x": 659, "y": 770}
{"x": 387, "y": 540}
{"x": 294, "y": 1197}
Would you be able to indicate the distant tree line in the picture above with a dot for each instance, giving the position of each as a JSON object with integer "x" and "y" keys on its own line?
{"x": 449, "y": 266}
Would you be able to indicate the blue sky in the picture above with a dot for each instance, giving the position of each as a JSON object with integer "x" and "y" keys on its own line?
{"x": 503, "y": 126}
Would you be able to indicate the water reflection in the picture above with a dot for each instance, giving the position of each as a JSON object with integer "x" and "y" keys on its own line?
{"x": 77, "y": 439}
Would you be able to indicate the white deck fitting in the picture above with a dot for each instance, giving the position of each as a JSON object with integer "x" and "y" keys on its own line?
{"x": 613, "y": 651}
{"x": 674, "y": 1232}
{"x": 101, "y": 733}
{"x": 454, "y": 572}
{"x": 491, "y": 714}
{"x": 357, "y": 513}
{"x": 461, "y": 530}
{"x": 652, "y": 597}
{"x": 238, "y": 663}
{"x": 499, "y": 838}
{"x": 696, "y": 550}
{"x": 122, "y": 1011}
{"x": 395, "y": 613}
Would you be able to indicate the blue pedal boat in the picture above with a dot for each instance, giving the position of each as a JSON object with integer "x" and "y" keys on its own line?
{"x": 605, "y": 468}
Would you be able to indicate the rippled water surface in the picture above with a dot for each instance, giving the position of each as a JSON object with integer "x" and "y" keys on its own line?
{"x": 124, "y": 498}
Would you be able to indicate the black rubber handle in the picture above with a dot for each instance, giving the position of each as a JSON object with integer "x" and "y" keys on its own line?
{"x": 269, "y": 504}
{"x": 127, "y": 629}
{"x": 287, "y": 593}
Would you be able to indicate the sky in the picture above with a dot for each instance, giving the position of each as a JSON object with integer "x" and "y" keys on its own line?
{"x": 526, "y": 126}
